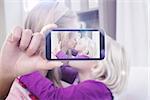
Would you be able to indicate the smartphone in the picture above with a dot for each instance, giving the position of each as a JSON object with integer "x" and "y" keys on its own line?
{"x": 75, "y": 44}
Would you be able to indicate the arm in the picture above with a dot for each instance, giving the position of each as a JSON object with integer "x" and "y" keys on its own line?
{"x": 61, "y": 55}
{"x": 6, "y": 81}
{"x": 45, "y": 90}
{"x": 18, "y": 56}
{"x": 82, "y": 57}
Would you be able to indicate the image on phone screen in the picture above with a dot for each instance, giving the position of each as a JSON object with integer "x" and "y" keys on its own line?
{"x": 75, "y": 44}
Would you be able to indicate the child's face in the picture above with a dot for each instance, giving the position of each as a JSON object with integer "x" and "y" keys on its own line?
{"x": 80, "y": 46}
{"x": 72, "y": 42}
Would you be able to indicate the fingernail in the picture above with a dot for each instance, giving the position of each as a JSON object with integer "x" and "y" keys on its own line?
{"x": 11, "y": 39}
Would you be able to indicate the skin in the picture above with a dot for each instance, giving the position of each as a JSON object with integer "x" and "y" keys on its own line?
{"x": 80, "y": 46}
{"x": 19, "y": 55}
{"x": 70, "y": 45}
{"x": 25, "y": 57}
{"x": 84, "y": 69}
{"x": 72, "y": 42}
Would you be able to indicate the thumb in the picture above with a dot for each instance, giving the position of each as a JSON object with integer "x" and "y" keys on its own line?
{"x": 43, "y": 32}
{"x": 48, "y": 27}
{"x": 48, "y": 65}
{"x": 59, "y": 44}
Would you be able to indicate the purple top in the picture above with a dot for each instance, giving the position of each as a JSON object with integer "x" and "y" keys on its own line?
{"x": 44, "y": 89}
{"x": 62, "y": 54}
{"x": 68, "y": 74}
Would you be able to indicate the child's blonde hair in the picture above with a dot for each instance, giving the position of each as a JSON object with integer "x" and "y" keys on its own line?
{"x": 113, "y": 70}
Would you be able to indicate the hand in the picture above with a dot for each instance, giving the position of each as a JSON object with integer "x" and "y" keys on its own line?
{"x": 20, "y": 53}
{"x": 57, "y": 49}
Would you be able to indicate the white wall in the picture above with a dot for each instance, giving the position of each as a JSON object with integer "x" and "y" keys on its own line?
{"x": 137, "y": 87}
{"x": 149, "y": 50}
{"x": 2, "y": 22}
{"x": 13, "y": 14}
{"x": 132, "y": 33}
{"x": 132, "y": 30}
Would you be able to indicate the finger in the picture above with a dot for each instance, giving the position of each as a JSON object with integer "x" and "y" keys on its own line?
{"x": 25, "y": 39}
{"x": 59, "y": 43}
{"x": 34, "y": 44}
{"x": 15, "y": 35}
{"x": 43, "y": 72}
{"x": 44, "y": 64}
{"x": 43, "y": 32}
{"x": 48, "y": 27}
{"x": 53, "y": 64}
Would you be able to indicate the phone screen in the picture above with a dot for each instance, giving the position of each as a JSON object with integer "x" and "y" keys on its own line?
{"x": 75, "y": 44}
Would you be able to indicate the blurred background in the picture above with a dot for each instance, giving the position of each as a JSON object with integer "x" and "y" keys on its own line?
{"x": 126, "y": 21}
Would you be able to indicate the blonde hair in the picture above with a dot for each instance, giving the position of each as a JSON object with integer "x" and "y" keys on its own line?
{"x": 51, "y": 13}
{"x": 90, "y": 46}
{"x": 64, "y": 39}
{"x": 113, "y": 70}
